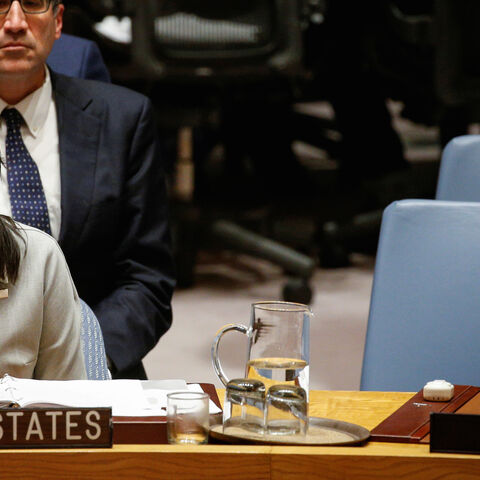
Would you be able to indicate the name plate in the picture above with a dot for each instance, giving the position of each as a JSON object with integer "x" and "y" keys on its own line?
{"x": 454, "y": 433}
{"x": 55, "y": 427}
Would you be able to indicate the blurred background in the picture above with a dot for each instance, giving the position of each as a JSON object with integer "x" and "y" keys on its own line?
{"x": 287, "y": 126}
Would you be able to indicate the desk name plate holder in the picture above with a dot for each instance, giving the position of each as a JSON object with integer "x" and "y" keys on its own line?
{"x": 49, "y": 429}
{"x": 58, "y": 427}
{"x": 454, "y": 433}
{"x": 451, "y": 426}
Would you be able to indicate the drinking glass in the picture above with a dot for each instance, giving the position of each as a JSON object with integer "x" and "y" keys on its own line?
{"x": 187, "y": 417}
{"x": 286, "y": 410}
{"x": 244, "y": 405}
{"x": 278, "y": 344}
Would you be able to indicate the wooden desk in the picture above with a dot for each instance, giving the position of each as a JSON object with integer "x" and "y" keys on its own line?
{"x": 211, "y": 462}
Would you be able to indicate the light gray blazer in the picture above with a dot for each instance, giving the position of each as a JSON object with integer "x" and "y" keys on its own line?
{"x": 40, "y": 321}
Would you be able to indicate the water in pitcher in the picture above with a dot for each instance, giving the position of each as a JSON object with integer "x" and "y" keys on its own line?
{"x": 274, "y": 371}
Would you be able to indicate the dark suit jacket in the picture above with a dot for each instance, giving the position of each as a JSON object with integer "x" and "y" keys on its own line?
{"x": 114, "y": 230}
{"x": 78, "y": 57}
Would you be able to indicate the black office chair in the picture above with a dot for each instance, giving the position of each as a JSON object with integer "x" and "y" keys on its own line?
{"x": 190, "y": 57}
{"x": 457, "y": 75}
{"x": 400, "y": 50}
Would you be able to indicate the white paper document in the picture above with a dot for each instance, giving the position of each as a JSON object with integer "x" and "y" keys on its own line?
{"x": 126, "y": 397}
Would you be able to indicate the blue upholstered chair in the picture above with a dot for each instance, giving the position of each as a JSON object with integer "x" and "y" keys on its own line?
{"x": 93, "y": 347}
{"x": 459, "y": 177}
{"x": 424, "y": 321}
{"x": 78, "y": 57}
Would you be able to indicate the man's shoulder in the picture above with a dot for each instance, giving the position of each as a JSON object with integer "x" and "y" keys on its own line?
{"x": 78, "y": 89}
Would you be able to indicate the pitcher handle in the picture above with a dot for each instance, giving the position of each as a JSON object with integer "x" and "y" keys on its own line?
{"x": 215, "y": 360}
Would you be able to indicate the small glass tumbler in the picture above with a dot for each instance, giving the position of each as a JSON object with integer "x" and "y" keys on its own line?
{"x": 187, "y": 418}
{"x": 244, "y": 405}
{"x": 286, "y": 410}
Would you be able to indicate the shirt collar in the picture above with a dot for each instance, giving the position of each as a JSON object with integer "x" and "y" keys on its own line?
{"x": 34, "y": 107}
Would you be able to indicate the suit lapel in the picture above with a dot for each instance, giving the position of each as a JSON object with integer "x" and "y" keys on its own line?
{"x": 78, "y": 132}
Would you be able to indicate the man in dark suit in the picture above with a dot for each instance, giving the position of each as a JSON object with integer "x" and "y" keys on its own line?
{"x": 108, "y": 205}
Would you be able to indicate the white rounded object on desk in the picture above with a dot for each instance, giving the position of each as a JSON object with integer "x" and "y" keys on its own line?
{"x": 438, "y": 390}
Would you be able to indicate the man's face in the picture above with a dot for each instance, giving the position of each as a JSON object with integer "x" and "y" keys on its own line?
{"x": 26, "y": 40}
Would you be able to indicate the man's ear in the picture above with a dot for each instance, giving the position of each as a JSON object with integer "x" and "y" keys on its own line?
{"x": 59, "y": 20}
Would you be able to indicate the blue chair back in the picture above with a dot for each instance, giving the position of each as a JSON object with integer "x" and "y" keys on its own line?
{"x": 424, "y": 320}
{"x": 459, "y": 176}
{"x": 78, "y": 57}
{"x": 93, "y": 346}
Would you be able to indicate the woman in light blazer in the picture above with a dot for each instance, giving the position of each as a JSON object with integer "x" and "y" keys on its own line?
{"x": 40, "y": 311}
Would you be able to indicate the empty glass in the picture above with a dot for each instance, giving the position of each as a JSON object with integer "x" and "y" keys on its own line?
{"x": 286, "y": 410}
{"x": 244, "y": 405}
{"x": 187, "y": 417}
{"x": 278, "y": 347}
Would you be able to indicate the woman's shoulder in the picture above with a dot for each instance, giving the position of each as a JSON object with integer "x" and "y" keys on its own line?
{"x": 42, "y": 256}
{"x": 31, "y": 238}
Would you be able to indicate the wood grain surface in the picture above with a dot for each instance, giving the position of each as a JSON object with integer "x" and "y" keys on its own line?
{"x": 211, "y": 462}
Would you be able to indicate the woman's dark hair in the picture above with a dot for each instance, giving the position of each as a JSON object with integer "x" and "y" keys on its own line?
{"x": 9, "y": 251}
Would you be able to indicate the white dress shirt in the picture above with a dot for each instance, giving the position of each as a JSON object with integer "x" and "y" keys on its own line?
{"x": 40, "y": 135}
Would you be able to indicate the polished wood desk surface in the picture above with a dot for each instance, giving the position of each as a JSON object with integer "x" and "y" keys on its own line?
{"x": 234, "y": 462}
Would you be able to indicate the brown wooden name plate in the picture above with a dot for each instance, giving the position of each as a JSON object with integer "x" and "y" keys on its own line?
{"x": 411, "y": 422}
{"x": 55, "y": 427}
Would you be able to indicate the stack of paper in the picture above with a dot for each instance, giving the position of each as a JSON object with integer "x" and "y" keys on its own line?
{"x": 126, "y": 397}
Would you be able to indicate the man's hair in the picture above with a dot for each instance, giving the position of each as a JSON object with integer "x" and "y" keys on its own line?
{"x": 55, "y": 5}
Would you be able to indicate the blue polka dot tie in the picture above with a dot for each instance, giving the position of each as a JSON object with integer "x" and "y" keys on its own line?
{"x": 27, "y": 197}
